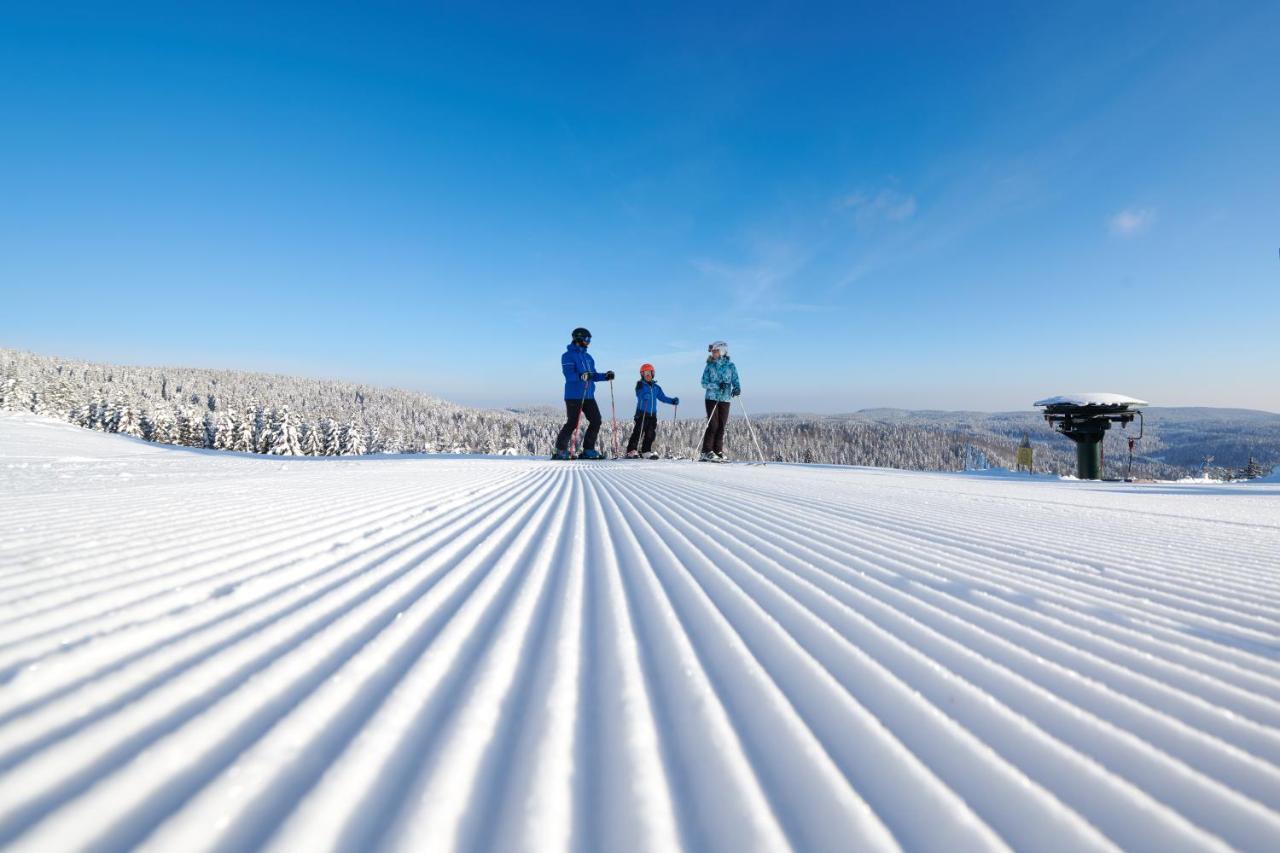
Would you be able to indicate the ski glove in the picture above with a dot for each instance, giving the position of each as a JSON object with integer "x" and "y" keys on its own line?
{"x": 585, "y": 377}
{"x": 608, "y": 375}
{"x": 737, "y": 391}
{"x": 675, "y": 401}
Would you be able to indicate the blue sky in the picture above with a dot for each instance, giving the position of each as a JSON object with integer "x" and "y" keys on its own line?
{"x": 875, "y": 206}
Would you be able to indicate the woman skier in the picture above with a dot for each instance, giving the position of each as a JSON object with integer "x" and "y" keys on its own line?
{"x": 648, "y": 393}
{"x": 580, "y": 378}
{"x": 720, "y": 379}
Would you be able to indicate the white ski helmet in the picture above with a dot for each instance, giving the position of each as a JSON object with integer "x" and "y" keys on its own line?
{"x": 718, "y": 345}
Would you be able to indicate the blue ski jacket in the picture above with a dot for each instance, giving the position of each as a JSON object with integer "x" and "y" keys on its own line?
{"x": 647, "y": 396}
{"x": 573, "y": 363}
{"x": 719, "y": 372}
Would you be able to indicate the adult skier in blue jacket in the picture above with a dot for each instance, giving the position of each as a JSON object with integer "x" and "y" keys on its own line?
{"x": 648, "y": 393}
{"x": 580, "y": 378}
{"x": 720, "y": 379}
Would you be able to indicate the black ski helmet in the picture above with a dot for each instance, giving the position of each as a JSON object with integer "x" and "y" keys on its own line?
{"x": 581, "y": 335}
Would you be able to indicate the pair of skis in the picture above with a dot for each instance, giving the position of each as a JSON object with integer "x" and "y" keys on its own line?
{"x": 754, "y": 462}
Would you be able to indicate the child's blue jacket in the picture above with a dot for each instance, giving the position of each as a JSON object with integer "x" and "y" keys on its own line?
{"x": 647, "y": 396}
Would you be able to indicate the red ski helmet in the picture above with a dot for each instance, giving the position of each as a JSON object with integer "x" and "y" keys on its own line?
{"x": 646, "y": 366}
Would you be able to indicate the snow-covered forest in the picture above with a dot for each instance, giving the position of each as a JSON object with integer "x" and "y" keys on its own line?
{"x": 258, "y": 412}
{"x": 293, "y": 416}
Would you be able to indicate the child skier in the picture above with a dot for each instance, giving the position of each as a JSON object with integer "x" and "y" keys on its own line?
{"x": 648, "y": 393}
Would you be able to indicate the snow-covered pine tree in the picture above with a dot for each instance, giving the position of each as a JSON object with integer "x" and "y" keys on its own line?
{"x": 190, "y": 431}
{"x": 373, "y": 438}
{"x": 284, "y": 437}
{"x": 182, "y": 432}
{"x": 42, "y": 404}
{"x": 11, "y": 394}
{"x": 128, "y": 423}
{"x": 196, "y": 436}
{"x": 111, "y": 416}
{"x": 208, "y": 427}
{"x": 331, "y": 437}
{"x": 224, "y": 432}
{"x": 1253, "y": 470}
{"x": 100, "y": 412}
{"x": 391, "y": 442}
{"x": 353, "y": 439}
{"x": 261, "y": 429}
{"x": 242, "y": 439}
{"x": 311, "y": 443}
{"x": 64, "y": 398}
{"x": 52, "y": 401}
{"x": 161, "y": 427}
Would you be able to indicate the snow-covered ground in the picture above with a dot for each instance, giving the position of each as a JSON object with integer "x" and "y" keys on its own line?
{"x": 216, "y": 651}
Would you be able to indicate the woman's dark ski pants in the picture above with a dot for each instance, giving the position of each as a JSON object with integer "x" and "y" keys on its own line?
{"x": 718, "y": 419}
{"x": 572, "y": 409}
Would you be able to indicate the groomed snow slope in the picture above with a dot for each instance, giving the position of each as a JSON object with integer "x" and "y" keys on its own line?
{"x": 216, "y": 651}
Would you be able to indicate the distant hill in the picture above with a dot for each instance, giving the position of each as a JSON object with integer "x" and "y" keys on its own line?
{"x": 1180, "y": 437}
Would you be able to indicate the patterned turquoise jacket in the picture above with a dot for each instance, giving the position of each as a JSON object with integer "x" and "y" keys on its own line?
{"x": 718, "y": 371}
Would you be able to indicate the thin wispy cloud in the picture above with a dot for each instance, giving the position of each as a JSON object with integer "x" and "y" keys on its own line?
{"x": 761, "y": 284}
{"x": 886, "y": 205}
{"x": 1131, "y": 221}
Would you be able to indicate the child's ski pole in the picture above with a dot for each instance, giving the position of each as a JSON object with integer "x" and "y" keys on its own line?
{"x": 675, "y": 410}
{"x": 614, "y": 414}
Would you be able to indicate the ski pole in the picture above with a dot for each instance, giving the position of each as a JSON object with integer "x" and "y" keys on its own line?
{"x": 750, "y": 430}
{"x": 694, "y": 456}
{"x": 614, "y": 415}
{"x": 675, "y": 410}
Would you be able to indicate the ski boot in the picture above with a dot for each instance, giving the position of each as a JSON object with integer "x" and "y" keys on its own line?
{"x": 632, "y": 454}
{"x": 561, "y": 455}
{"x": 707, "y": 456}
{"x": 649, "y": 455}
{"x": 592, "y": 454}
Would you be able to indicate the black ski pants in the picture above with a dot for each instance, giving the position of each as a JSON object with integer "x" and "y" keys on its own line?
{"x": 646, "y": 426}
{"x": 718, "y": 419}
{"x": 573, "y": 409}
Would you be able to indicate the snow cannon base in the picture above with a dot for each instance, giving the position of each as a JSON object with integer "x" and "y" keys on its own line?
{"x": 1085, "y": 419}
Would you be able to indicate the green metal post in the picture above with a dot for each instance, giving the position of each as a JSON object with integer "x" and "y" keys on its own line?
{"x": 1089, "y": 456}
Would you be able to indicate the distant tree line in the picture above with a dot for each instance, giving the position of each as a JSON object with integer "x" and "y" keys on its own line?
{"x": 294, "y": 416}
{"x": 259, "y": 413}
